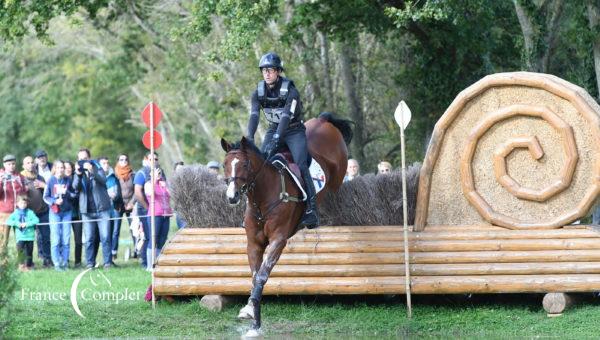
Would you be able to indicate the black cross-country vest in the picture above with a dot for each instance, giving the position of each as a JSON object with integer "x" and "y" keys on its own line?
{"x": 273, "y": 106}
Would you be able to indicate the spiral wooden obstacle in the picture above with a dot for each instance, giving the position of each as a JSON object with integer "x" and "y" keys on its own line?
{"x": 496, "y": 221}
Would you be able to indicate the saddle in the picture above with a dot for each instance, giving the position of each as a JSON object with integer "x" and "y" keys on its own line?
{"x": 284, "y": 162}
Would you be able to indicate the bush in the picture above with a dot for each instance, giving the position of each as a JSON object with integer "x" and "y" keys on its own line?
{"x": 199, "y": 197}
{"x": 8, "y": 284}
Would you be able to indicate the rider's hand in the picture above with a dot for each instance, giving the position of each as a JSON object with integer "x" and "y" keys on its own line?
{"x": 273, "y": 147}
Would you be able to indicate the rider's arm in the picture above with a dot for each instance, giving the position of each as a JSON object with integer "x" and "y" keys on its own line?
{"x": 291, "y": 107}
{"x": 253, "y": 121}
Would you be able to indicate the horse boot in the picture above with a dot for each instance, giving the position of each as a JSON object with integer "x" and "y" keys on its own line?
{"x": 310, "y": 218}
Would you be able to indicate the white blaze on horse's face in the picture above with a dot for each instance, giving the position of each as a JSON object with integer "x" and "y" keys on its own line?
{"x": 231, "y": 190}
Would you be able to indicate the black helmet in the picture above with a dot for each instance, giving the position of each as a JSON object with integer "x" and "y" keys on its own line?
{"x": 270, "y": 59}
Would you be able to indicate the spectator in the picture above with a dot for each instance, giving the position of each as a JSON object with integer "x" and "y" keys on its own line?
{"x": 384, "y": 168}
{"x": 352, "y": 171}
{"x": 162, "y": 211}
{"x": 76, "y": 224}
{"x": 58, "y": 195}
{"x": 178, "y": 165}
{"x": 43, "y": 168}
{"x": 35, "y": 185}
{"x": 23, "y": 220}
{"x": 94, "y": 205}
{"x": 213, "y": 167}
{"x": 178, "y": 219}
{"x": 13, "y": 184}
{"x": 125, "y": 175}
{"x": 143, "y": 187}
{"x": 113, "y": 188}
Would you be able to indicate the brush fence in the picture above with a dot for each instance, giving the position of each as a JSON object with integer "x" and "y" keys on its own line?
{"x": 370, "y": 260}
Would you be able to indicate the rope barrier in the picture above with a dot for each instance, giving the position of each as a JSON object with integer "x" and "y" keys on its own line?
{"x": 97, "y": 219}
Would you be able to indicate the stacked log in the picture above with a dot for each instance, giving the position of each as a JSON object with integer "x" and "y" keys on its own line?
{"x": 370, "y": 260}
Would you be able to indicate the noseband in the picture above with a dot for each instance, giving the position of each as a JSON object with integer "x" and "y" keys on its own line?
{"x": 248, "y": 185}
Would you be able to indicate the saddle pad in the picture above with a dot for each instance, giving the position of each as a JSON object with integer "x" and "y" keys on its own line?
{"x": 316, "y": 173}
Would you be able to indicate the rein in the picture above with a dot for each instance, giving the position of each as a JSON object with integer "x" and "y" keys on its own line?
{"x": 284, "y": 196}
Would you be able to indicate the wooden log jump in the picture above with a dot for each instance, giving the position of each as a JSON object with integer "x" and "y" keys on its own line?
{"x": 369, "y": 260}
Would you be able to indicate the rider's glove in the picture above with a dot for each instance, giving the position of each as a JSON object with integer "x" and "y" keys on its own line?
{"x": 273, "y": 147}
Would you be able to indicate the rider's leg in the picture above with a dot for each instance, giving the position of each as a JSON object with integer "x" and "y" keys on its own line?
{"x": 296, "y": 142}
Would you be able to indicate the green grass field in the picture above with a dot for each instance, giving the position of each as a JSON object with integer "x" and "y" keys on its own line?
{"x": 41, "y": 308}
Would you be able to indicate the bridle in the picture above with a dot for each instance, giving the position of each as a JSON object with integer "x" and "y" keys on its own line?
{"x": 248, "y": 185}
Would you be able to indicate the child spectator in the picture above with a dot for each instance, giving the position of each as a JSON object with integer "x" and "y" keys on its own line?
{"x": 23, "y": 220}
{"x": 58, "y": 195}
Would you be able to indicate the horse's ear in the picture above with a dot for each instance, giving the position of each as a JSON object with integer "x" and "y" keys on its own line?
{"x": 225, "y": 145}
{"x": 244, "y": 142}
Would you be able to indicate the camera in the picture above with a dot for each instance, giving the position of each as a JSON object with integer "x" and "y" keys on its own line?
{"x": 81, "y": 163}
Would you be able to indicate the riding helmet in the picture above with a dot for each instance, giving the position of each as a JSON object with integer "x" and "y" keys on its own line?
{"x": 270, "y": 59}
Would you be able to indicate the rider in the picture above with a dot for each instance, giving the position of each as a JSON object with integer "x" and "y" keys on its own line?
{"x": 280, "y": 102}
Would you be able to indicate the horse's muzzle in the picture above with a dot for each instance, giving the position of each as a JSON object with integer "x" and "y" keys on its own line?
{"x": 235, "y": 200}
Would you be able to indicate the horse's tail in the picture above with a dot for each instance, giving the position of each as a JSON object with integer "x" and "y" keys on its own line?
{"x": 344, "y": 125}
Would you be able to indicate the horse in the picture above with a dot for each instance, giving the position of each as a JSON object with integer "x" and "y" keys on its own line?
{"x": 273, "y": 208}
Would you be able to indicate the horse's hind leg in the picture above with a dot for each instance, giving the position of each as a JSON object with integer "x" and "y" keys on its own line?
{"x": 260, "y": 279}
{"x": 255, "y": 256}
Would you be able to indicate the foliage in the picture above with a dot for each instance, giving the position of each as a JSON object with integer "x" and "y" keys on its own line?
{"x": 102, "y": 61}
{"x": 8, "y": 284}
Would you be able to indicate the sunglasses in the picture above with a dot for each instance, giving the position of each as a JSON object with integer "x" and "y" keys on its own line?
{"x": 123, "y": 160}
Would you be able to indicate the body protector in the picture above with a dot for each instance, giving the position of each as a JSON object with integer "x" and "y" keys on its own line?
{"x": 273, "y": 107}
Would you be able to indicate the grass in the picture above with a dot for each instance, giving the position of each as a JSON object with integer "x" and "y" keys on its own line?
{"x": 512, "y": 315}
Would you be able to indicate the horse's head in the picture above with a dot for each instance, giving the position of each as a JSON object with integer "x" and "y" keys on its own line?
{"x": 238, "y": 169}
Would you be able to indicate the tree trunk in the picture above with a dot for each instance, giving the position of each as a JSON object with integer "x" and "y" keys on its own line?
{"x": 538, "y": 48}
{"x": 352, "y": 97}
{"x": 328, "y": 84}
{"x": 528, "y": 34}
{"x": 593, "y": 14}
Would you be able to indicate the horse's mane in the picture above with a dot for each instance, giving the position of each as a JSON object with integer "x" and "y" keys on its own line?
{"x": 251, "y": 146}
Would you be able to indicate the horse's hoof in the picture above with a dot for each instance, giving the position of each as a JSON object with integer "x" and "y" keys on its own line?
{"x": 252, "y": 333}
{"x": 246, "y": 313}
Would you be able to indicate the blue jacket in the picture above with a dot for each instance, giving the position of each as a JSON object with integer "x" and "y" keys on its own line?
{"x": 93, "y": 183}
{"x": 56, "y": 188}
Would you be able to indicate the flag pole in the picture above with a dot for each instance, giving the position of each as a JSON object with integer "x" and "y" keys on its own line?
{"x": 152, "y": 208}
{"x": 405, "y": 217}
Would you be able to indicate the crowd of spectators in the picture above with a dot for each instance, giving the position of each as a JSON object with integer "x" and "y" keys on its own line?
{"x": 83, "y": 204}
{"x": 353, "y": 169}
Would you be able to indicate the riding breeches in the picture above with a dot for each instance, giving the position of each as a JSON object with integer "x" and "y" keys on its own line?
{"x": 295, "y": 139}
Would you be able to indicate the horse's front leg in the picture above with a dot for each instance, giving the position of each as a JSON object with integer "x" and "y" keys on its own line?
{"x": 255, "y": 256}
{"x": 255, "y": 248}
{"x": 274, "y": 252}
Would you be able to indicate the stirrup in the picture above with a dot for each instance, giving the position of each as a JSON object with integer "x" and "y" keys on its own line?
{"x": 309, "y": 220}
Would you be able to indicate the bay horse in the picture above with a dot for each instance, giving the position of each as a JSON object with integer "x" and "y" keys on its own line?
{"x": 272, "y": 214}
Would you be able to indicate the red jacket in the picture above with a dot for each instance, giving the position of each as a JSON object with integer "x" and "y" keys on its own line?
{"x": 9, "y": 190}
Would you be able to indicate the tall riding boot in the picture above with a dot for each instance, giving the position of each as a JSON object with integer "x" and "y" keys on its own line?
{"x": 310, "y": 219}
